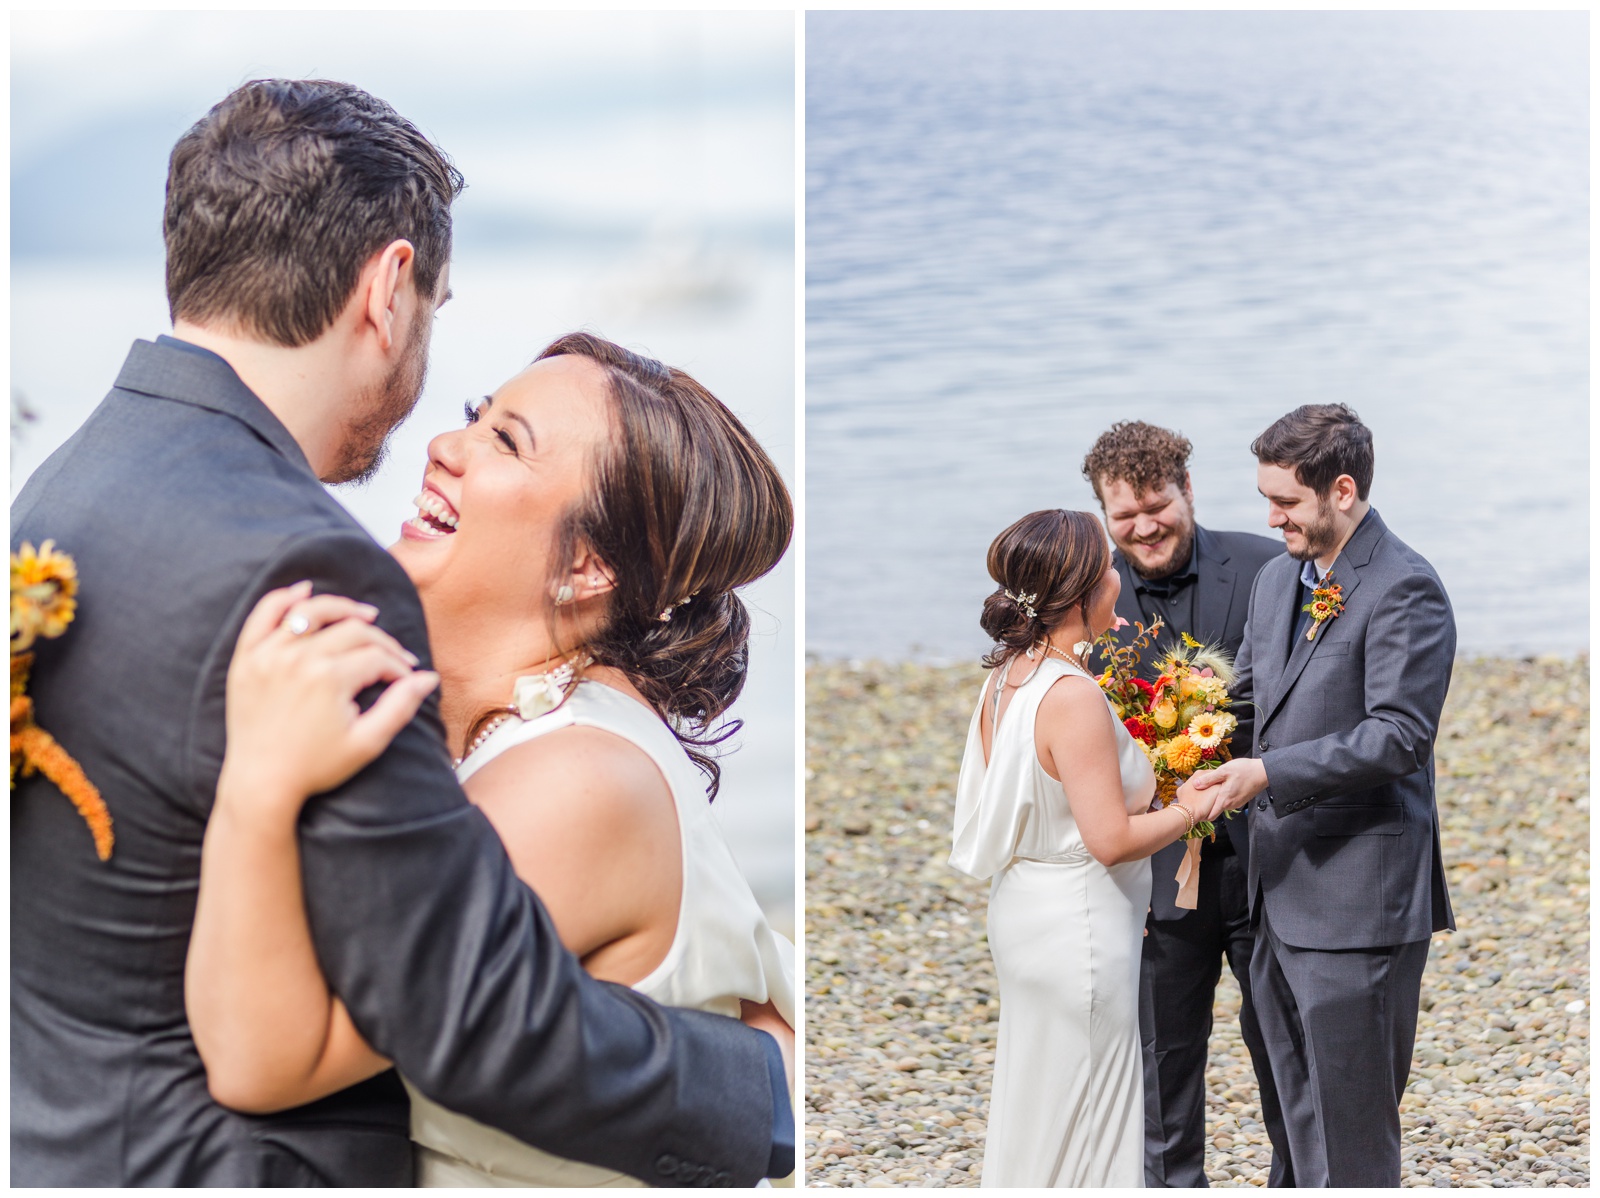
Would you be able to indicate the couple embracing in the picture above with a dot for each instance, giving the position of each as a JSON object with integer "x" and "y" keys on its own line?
{"x": 1323, "y": 894}
{"x": 315, "y": 941}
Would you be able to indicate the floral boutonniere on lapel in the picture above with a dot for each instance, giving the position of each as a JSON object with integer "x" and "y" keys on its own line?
{"x": 1326, "y": 603}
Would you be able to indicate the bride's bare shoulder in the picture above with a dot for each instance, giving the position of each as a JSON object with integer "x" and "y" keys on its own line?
{"x": 589, "y": 823}
{"x": 1075, "y": 705}
{"x": 584, "y": 777}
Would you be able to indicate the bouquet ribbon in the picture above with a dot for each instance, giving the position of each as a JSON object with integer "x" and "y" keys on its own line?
{"x": 1188, "y": 876}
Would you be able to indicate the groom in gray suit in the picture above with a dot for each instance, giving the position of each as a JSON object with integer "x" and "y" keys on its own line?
{"x": 1347, "y": 650}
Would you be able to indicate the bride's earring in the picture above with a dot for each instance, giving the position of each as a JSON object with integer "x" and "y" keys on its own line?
{"x": 564, "y": 594}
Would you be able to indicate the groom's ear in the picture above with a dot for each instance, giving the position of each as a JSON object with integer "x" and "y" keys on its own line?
{"x": 386, "y": 281}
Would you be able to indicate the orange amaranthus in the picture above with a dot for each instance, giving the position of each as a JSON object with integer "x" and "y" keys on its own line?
{"x": 44, "y": 586}
{"x": 1181, "y": 720}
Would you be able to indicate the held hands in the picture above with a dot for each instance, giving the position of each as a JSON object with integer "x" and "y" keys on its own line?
{"x": 1227, "y": 788}
{"x": 294, "y": 729}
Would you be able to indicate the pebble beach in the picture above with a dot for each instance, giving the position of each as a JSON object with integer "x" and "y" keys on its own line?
{"x": 901, "y": 1001}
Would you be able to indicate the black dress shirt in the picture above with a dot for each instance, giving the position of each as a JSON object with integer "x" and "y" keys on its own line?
{"x": 1169, "y": 599}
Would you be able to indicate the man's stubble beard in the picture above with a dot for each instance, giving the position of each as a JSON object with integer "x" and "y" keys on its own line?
{"x": 1321, "y": 535}
{"x": 1180, "y": 554}
{"x": 381, "y": 410}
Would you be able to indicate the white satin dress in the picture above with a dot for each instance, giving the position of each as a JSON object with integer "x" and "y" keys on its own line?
{"x": 1067, "y": 1105}
{"x": 723, "y": 951}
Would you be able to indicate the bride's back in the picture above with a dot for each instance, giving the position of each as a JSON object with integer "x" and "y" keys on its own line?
{"x": 1007, "y": 804}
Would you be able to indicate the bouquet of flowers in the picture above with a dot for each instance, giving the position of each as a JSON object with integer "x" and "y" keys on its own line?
{"x": 1181, "y": 720}
{"x": 44, "y": 588}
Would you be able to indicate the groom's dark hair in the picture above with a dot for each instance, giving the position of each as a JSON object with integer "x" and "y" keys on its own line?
{"x": 278, "y": 197}
{"x": 1319, "y": 442}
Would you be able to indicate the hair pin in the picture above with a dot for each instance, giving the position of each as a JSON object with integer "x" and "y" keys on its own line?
{"x": 667, "y": 613}
{"x": 1025, "y": 601}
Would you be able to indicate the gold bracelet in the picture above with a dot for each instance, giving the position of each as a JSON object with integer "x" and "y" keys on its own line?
{"x": 1188, "y": 817}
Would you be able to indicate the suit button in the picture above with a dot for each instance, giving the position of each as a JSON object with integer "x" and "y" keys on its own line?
{"x": 667, "y": 1165}
{"x": 1261, "y": 804}
{"x": 1265, "y": 746}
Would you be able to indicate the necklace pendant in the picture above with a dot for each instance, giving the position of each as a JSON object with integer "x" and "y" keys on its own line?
{"x": 536, "y": 694}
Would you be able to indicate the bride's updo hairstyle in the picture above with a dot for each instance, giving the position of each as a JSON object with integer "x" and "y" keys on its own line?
{"x": 683, "y": 506}
{"x": 1049, "y": 562}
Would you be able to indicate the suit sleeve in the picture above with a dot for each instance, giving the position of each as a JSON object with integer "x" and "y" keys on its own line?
{"x": 452, "y": 969}
{"x": 1409, "y": 648}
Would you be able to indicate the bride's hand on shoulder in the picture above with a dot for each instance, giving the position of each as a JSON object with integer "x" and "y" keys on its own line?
{"x": 294, "y": 727}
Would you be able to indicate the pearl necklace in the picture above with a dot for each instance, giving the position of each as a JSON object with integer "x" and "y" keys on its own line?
{"x": 1082, "y": 665}
{"x": 532, "y": 695}
{"x": 488, "y": 730}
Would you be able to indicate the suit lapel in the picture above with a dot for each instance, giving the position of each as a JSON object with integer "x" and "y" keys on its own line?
{"x": 1347, "y": 573}
{"x": 1214, "y": 597}
{"x": 1128, "y": 599}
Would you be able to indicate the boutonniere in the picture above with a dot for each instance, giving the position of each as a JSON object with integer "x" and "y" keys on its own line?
{"x": 1326, "y": 604}
{"x": 44, "y": 589}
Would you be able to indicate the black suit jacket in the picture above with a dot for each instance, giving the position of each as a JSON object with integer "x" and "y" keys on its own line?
{"x": 183, "y": 499}
{"x": 1226, "y": 564}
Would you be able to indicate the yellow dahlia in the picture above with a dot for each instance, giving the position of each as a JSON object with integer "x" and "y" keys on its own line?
{"x": 1182, "y": 754}
{"x": 1165, "y": 715}
{"x": 44, "y": 584}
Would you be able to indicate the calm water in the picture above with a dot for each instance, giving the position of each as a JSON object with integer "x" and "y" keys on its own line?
{"x": 1023, "y": 227}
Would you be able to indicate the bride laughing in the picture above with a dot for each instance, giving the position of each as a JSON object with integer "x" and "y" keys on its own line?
{"x": 577, "y": 548}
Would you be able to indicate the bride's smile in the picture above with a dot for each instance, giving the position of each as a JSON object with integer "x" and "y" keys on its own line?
{"x": 485, "y": 548}
{"x": 495, "y": 491}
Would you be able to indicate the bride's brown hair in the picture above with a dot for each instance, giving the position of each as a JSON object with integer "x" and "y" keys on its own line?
{"x": 1049, "y": 562}
{"x": 683, "y": 506}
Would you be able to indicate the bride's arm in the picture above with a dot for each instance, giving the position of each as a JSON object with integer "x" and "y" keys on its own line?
{"x": 268, "y": 1030}
{"x": 1076, "y": 743}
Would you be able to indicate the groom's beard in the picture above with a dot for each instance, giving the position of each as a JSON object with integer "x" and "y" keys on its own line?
{"x": 383, "y": 409}
{"x": 1321, "y": 535}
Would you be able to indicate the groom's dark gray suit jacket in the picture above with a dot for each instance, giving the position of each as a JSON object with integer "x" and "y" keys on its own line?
{"x": 1344, "y": 842}
{"x": 183, "y": 499}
